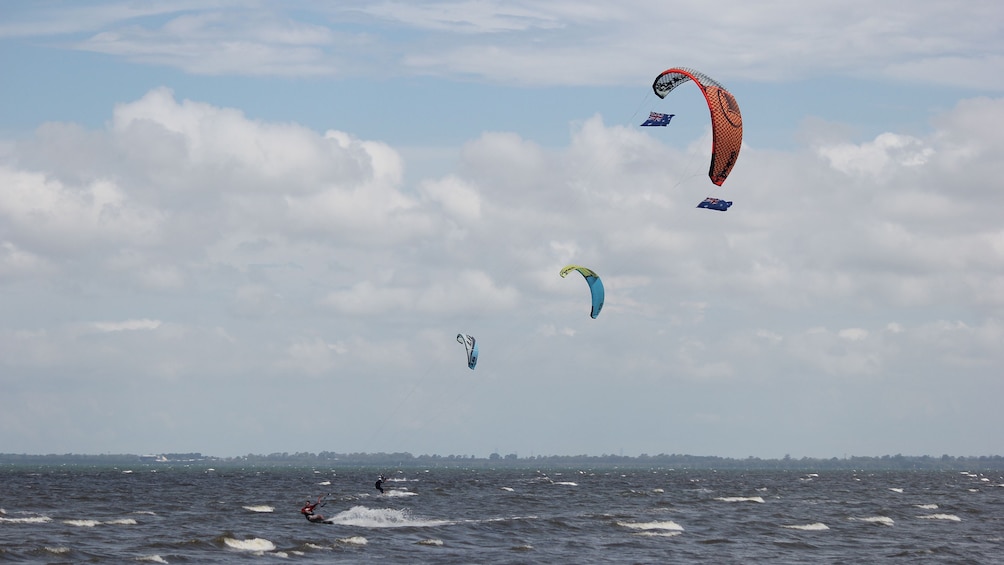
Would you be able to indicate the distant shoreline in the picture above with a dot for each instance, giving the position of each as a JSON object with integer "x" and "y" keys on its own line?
{"x": 407, "y": 460}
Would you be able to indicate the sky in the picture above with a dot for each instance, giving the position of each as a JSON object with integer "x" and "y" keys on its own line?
{"x": 258, "y": 227}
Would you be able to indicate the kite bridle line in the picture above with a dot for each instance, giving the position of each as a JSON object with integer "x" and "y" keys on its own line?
{"x": 385, "y": 420}
{"x": 644, "y": 101}
{"x": 422, "y": 378}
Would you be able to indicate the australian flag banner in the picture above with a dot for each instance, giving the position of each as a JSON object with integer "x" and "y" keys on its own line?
{"x": 715, "y": 204}
{"x": 657, "y": 119}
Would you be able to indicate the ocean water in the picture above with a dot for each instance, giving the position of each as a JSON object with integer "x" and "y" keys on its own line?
{"x": 177, "y": 514}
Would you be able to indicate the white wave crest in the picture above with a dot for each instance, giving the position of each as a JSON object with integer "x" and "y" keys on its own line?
{"x": 436, "y": 542}
{"x": 152, "y": 559}
{"x": 814, "y": 527}
{"x": 668, "y": 525}
{"x": 27, "y": 520}
{"x": 895, "y": 489}
{"x": 508, "y": 489}
{"x": 57, "y": 550}
{"x": 950, "y": 517}
{"x": 927, "y": 506}
{"x": 658, "y": 534}
{"x": 740, "y": 499}
{"x": 381, "y": 518}
{"x": 260, "y": 508}
{"x": 568, "y": 483}
{"x": 82, "y": 523}
{"x": 93, "y": 523}
{"x": 354, "y": 540}
{"x": 881, "y": 520}
{"x": 253, "y": 544}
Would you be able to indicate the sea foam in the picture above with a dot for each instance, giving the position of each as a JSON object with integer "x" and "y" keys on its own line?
{"x": 400, "y": 493}
{"x": 82, "y": 523}
{"x": 253, "y": 544}
{"x": 949, "y": 517}
{"x": 881, "y": 520}
{"x": 93, "y": 523}
{"x": 653, "y": 527}
{"x": 26, "y": 520}
{"x": 121, "y": 522}
{"x": 740, "y": 499}
{"x": 814, "y": 527}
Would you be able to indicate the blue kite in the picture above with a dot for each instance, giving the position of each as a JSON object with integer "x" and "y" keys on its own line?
{"x": 471, "y": 345}
{"x": 595, "y": 286}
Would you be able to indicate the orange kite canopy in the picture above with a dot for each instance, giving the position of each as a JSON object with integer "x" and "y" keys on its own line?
{"x": 726, "y": 121}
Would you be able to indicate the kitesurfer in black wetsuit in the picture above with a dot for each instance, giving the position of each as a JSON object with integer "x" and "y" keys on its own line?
{"x": 310, "y": 515}
{"x": 379, "y": 483}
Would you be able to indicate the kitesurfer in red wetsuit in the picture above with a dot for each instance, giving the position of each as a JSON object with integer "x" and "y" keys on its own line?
{"x": 308, "y": 511}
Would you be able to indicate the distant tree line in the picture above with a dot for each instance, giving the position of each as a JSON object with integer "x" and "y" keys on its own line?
{"x": 495, "y": 460}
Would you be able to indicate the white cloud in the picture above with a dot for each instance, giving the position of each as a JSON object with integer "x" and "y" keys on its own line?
{"x": 459, "y": 199}
{"x": 541, "y": 43}
{"x": 466, "y": 291}
{"x": 170, "y": 178}
{"x": 215, "y": 42}
{"x": 186, "y": 252}
{"x": 76, "y": 18}
{"x": 314, "y": 357}
{"x": 251, "y": 155}
{"x": 873, "y": 158}
{"x": 471, "y": 17}
{"x": 215, "y": 248}
{"x": 127, "y": 325}
{"x": 15, "y": 263}
{"x": 853, "y": 334}
{"x": 769, "y": 336}
{"x": 255, "y": 299}
{"x": 48, "y": 215}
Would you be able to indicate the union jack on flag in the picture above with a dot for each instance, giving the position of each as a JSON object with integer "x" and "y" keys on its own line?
{"x": 657, "y": 119}
{"x": 715, "y": 204}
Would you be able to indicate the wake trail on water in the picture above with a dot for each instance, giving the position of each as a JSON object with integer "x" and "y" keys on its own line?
{"x": 365, "y": 517}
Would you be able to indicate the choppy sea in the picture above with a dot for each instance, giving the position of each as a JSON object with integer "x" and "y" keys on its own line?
{"x": 178, "y": 514}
